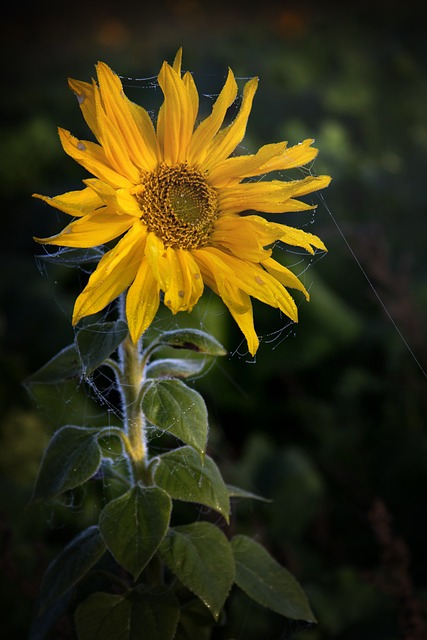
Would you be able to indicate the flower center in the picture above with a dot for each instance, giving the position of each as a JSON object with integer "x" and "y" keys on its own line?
{"x": 178, "y": 206}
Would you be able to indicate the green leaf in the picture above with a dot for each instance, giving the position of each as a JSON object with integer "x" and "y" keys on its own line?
{"x": 267, "y": 582}
{"x": 200, "y": 556}
{"x": 96, "y": 342}
{"x": 193, "y": 340}
{"x": 172, "y": 406}
{"x": 134, "y": 524}
{"x": 62, "y": 367}
{"x": 195, "y": 622}
{"x": 184, "y": 476}
{"x": 237, "y": 492}
{"x": 67, "y": 569}
{"x": 139, "y": 614}
{"x": 72, "y": 457}
{"x": 173, "y": 368}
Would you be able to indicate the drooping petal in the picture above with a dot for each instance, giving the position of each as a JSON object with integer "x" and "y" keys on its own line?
{"x": 242, "y": 237}
{"x": 114, "y": 273}
{"x": 209, "y": 127}
{"x": 176, "y": 116}
{"x": 92, "y": 230}
{"x": 250, "y": 278}
{"x": 227, "y": 140}
{"x": 237, "y": 301}
{"x": 118, "y": 111}
{"x": 92, "y": 157}
{"x": 272, "y": 196}
{"x": 75, "y": 203}
{"x": 270, "y": 157}
{"x": 284, "y": 275}
{"x": 142, "y": 301}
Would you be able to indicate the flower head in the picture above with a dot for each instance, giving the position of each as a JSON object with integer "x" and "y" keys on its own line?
{"x": 173, "y": 196}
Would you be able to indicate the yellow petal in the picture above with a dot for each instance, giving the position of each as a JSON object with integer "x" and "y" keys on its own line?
{"x": 209, "y": 127}
{"x": 270, "y": 157}
{"x": 114, "y": 273}
{"x": 85, "y": 96}
{"x": 272, "y": 196}
{"x": 176, "y": 116}
{"x": 219, "y": 277}
{"x": 114, "y": 143}
{"x": 142, "y": 301}
{"x": 92, "y": 157}
{"x": 121, "y": 200}
{"x": 227, "y": 140}
{"x": 242, "y": 237}
{"x": 188, "y": 81}
{"x": 299, "y": 238}
{"x": 284, "y": 275}
{"x": 118, "y": 111}
{"x": 94, "y": 229}
{"x": 75, "y": 203}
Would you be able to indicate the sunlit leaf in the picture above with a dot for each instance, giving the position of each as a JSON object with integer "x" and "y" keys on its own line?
{"x": 170, "y": 405}
{"x": 267, "y": 582}
{"x": 200, "y": 556}
{"x": 185, "y": 476}
{"x": 134, "y": 524}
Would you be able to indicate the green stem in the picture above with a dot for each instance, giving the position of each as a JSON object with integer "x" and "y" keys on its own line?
{"x": 132, "y": 376}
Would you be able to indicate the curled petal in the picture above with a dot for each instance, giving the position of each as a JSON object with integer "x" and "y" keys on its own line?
{"x": 75, "y": 203}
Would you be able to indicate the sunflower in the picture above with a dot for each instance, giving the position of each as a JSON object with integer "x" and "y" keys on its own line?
{"x": 173, "y": 195}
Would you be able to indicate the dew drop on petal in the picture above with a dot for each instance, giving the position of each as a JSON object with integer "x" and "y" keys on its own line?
{"x": 259, "y": 280}
{"x": 81, "y": 146}
{"x": 181, "y": 294}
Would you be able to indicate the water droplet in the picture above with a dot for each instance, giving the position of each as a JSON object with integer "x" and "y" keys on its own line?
{"x": 81, "y": 146}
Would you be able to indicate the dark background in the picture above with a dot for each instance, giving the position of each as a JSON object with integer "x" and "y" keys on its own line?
{"x": 329, "y": 421}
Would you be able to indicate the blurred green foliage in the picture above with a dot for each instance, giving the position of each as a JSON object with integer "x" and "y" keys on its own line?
{"x": 329, "y": 422}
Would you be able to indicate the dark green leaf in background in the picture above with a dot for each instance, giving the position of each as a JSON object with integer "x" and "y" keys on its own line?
{"x": 184, "y": 476}
{"x": 72, "y": 457}
{"x": 62, "y": 367}
{"x": 267, "y": 582}
{"x": 67, "y": 569}
{"x": 134, "y": 524}
{"x": 170, "y": 405}
{"x": 138, "y": 615}
{"x": 200, "y": 556}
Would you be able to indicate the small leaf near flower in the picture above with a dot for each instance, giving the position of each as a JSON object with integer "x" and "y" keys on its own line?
{"x": 170, "y": 405}
{"x": 96, "y": 342}
{"x": 267, "y": 582}
{"x": 72, "y": 457}
{"x": 174, "y": 368}
{"x": 67, "y": 569}
{"x": 134, "y": 524}
{"x": 184, "y": 476}
{"x": 115, "y": 617}
{"x": 200, "y": 556}
{"x": 64, "y": 366}
{"x": 193, "y": 340}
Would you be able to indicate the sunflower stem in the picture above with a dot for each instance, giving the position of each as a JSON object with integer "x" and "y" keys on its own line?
{"x": 132, "y": 376}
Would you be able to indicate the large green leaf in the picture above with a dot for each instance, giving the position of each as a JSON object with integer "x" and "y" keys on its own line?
{"x": 72, "y": 457}
{"x": 67, "y": 569}
{"x": 134, "y": 524}
{"x": 172, "y": 406}
{"x": 267, "y": 582}
{"x": 147, "y": 615}
{"x": 200, "y": 556}
{"x": 96, "y": 342}
{"x": 184, "y": 476}
{"x": 62, "y": 367}
{"x": 193, "y": 340}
